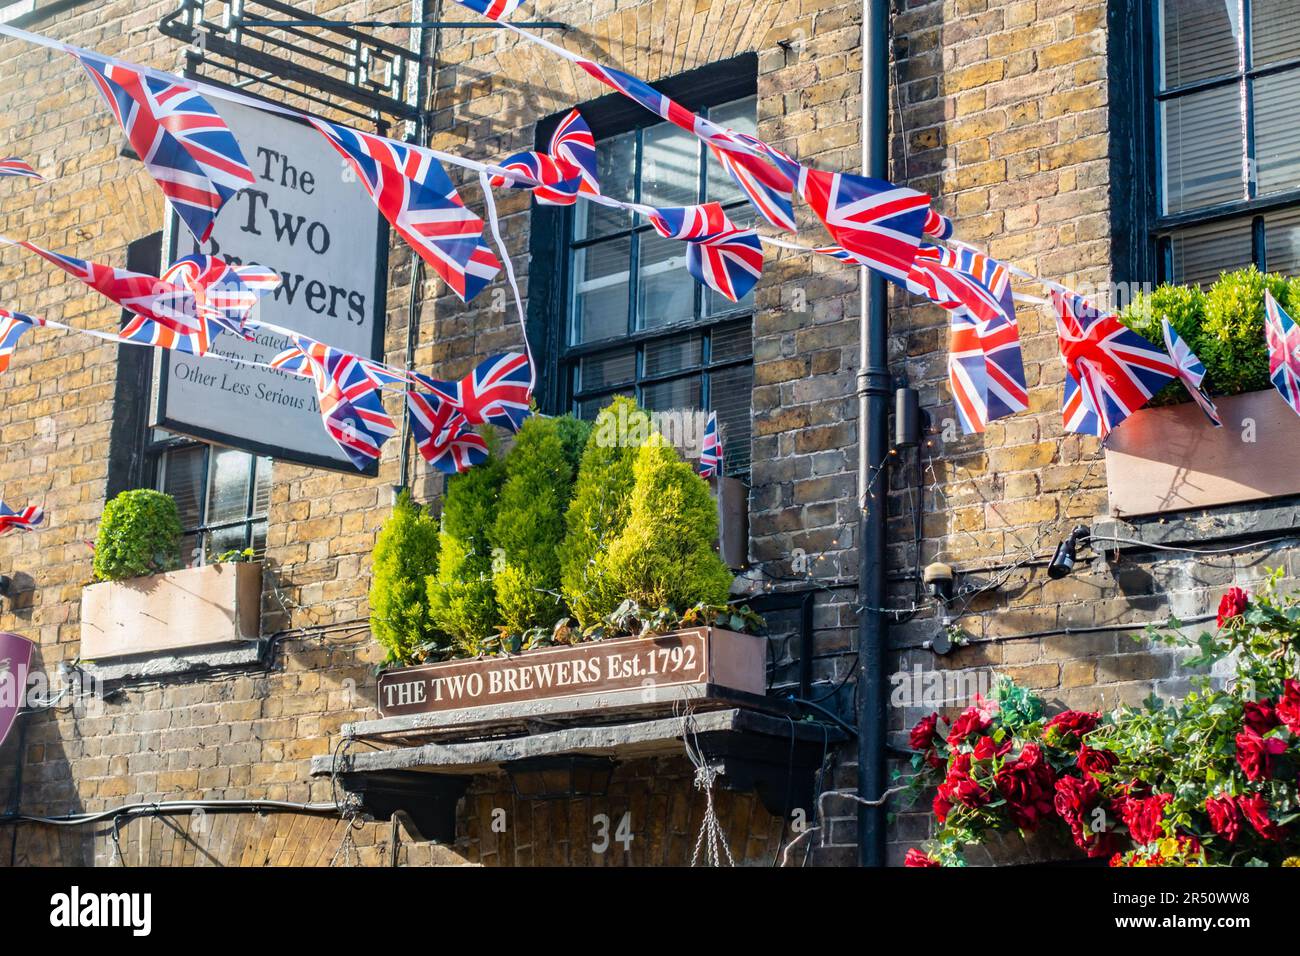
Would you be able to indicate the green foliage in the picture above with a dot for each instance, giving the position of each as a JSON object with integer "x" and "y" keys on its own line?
{"x": 462, "y": 603}
{"x": 573, "y": 433}
{"x": 529, "y": 526}
{"x": 406, "y": 554}
{"x": 139, "y": 533}
{"x": 664, "y": 555}
{"x": 600, "y": 507}
{"x": 1224, "y": 327}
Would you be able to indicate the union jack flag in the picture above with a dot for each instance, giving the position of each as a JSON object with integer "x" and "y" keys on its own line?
{"x": 13, "y": 166}
{"x": 1283, "y": 336}
{"x": 12, "y": 327}
{"x": 1111, "y": 371}
{"x": 572, "y": 141}
{"x": 348, "y": 394}
{"x": 417, "y": 198}
{"x": 711, "y": 450}
{"x": 186, "y": 146}
{"x": 690, "y": 222}
{"x": 560, "y": 180}
{"x": 493, "y": 9}
{"x": 1191, "y": 371}
{"x": 497, "y": 391}
{"x": 163, "y": 315}
{"x": 937, "y": 225}
{"x": 441, "y": 434}
{"x": 729, "y": 263}
{"x": 24, "y": 520}
{"x": 880, "y": 222}
{"x": 986, "y": 370}
{"x": 841, "y": 254}
{"x": 224, "y": 294}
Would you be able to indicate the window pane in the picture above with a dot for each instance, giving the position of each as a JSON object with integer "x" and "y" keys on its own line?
{"x": 190, "y": 553}
{"x": 731, "y": 342}
{"x": 609, "y": 368}
{"x": 1201, "y": 40}
{"x": 262, "y": 493}
{"x": 589, "y": 408}
{"x": 1282, "y": 239}
{"x": 673, "y": 355}
{"x": 1277, "y": 137}
{"x": 1200, "y": 253}
{"x": 666, "y": 291}
{"x": 259, "y": 538}
{"x": 600, "y": 274}
{"x": 715, "y": 303}
{"x": 226, "y": 540}
{"x": 730, "y": 390}
{"x": 615, "y": 167}
{"x": 670, "y": 166}
{"x": 741, "y": 116}
{"x": 679, "y": 393}
{"x": 1203, "y": 140}
{"x": 228, "y": 485}
{"x": 182, "y": 478}
{"x": 1274, "y": 31}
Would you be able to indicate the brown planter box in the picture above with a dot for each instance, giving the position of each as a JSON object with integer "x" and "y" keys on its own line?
{"x": 575, "y": 677}
{"x": 1170, "y": 458}
{"x": 212, "y": 604}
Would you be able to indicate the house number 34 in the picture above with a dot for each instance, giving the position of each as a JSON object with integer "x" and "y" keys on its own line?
{"x": 622, "y": 833}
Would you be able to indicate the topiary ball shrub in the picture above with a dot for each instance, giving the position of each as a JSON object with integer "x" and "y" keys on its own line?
{"x": 139, "y": 534}
{"x": 664, "y": 555}
{"x": 406, "y": 554}
{"x": 1232, "y": 336}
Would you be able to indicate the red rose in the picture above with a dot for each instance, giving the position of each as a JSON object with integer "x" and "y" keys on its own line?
{"x": 1144, "y": 816}
{"x": 1028, "y": 784}
{"x": 1255, "y": 809}
{"x": 986, "y": 749}
{"x": 1076, "y": 797}
{"x": 1225, "y": 817}
{"x": 1259, "y": 716}
{"x": 1288, "y": 706}
{"x": 1255, "y": 754}
{"x": 942, "y": 804}
{"x": 1092, "y": 761}
{"x": 916, "y": 858}
{"x": 970, "y": 722}
{"x": 1067, "y": 728}
{"x": 922, "y": 735}
{"x": 1232, "y": 605}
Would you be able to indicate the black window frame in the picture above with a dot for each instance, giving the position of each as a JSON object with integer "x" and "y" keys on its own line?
{"x": 1142, "y": 249}
{"x": 550, "y": 243}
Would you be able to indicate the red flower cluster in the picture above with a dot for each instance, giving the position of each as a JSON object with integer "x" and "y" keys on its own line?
{"x": 1225, "y": 817}
{"x": 1288, "y": 706}
{"x": 916, "y": 858}
{"x": 922, "y": 738}
{"x": 1067, "y": 728}
{"x": 1232, "y": 605}
{"x": 1077, "y": 799}
{"x": 971, "y": 721}
{"x": 1144, "y": 816}
{"x": 959, "y": 788}
{"x": 1028, "y": 784}
{"x": 1255, "y": 754}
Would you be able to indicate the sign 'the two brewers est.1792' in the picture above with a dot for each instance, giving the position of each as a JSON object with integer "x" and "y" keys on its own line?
{"x": 307, "y": 218}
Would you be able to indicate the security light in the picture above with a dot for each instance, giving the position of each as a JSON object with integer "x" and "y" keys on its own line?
{"x": 1063, "y": 561}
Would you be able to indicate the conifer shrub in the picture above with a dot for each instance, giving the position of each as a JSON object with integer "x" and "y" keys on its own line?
{"x": 462, "y": 602}
{"x": 573, "y": 433}
{"x": 663, "y": 556}
{"x": 602, "y": 500}
{"x": 406, "y": 554}
{"x": 139, "y": 534}
{"x": 529, "y": 527}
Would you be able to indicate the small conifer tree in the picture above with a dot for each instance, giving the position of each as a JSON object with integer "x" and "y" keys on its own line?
{"x": 462, "y": 602}
{"x": 529, "y": 527}
{"x": 406, "y": 553}
{"x": 601, "y": 503}
{"x": 664, "y": 556}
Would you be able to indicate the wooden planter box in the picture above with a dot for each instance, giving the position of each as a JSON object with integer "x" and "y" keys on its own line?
{"x": 195, "y": 607}
{"x": 1171, "y": 458}
{"x": 634, "y": 672}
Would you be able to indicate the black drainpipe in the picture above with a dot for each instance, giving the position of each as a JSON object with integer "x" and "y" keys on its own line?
{"x": 873, "y": 446}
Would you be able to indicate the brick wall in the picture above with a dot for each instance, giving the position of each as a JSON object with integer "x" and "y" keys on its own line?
{"x": 1001, "y": 112}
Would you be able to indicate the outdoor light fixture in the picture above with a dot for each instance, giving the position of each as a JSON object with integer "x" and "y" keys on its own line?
{"x": 560, "y": 778}
{"x": 1063, "y": 561}
{"x": 907, "y": 418}
{"x": 938, "y": 578}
